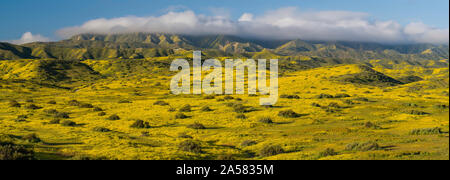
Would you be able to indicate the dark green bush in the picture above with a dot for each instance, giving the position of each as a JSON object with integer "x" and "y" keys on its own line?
{"x": 270, "y": 150}
{"x": 426, "y": 131}
{"x": 367, "y": 146}
{"x": 190, "y": 146}
{"x": 209, "y": 97}
{"x": 286, "y": 96}
{"x": 74, "y": 103}
{"x": 206, "y": 109}
{"x": 101, "y": 114}
{"x": 315, "y": 105}
{"x": 241, "y": 116}
{"x": 68, "y": 123}
{"x": 32, "y": 138}
{"x": 114, "y": 117}
{"x": 62, "y": 115}
{"x": 324, "y": 96}
{"x": 161, "y": 103}
{"x": 342, "y": 95}
{"x": 371, "y": 125}
{"x": 186, "y": 108}
{"x": 196, "y": 126}
{"x": 328, "y": 152}
{"x": 97, "y": 109}
{"x": 101, "y": 129}
{"x": 51, "y": 102}
{"x": 140, "y": 124}
{"x": 10, "y": 151}
{"x": 54, "y": 121}
{"x": 86, "y": 105}
{"x": 14, "y": 103}
{"x": 288, "y": 114}
{"x": 416, "y": 112}
{"x": 248, "y": 143}
{"x": 181, "y": 116}
{"x": 124, "y": 101}
{"x": 266, "y": 120}
{"x": 184, "y": 136}
{"x": 227, "y": 97}
{"x": 32, "y": 107}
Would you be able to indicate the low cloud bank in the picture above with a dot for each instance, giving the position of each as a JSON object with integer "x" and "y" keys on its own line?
{"x": 285, "y": 23}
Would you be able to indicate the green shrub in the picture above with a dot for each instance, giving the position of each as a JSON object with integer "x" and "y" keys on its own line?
{"x": 101, "y": 129}
{"x": 247, "y": 143}
{"x": 209, "y": 97}
{"x": 361, "y": 99}
{"x": 181, "y": 116}
{"x": 315, "y": 105}
{"x": 54, "y": 121}
{"x": 270, "y": 150}
{"x": 51, "y": 102}
{"x": 10, "y": 151}
{"x": 342, "y": 95}
{"x": 334, "y": 105}
{"x": 184, "y": 136}
{"x": 101, "y": 114}
{"x": 239, "y": 108}
{"x": 124, "y": 101}
{"x": 190, "y": 146}
{"x": 97, "y": 109}
{"x": 186, "y": 108}
{"x": 228, "y": 97}
{"x": 172, "y": 109}
{"x": 371, "y": 125}
{"x": 324, "y": 96}
{"x": 114, "y": 117}
{"x": 62, "y": 115}
{"x": 14, "y": 103}
{"x": 441, "y": 106}
{"x": 32, "y": 138}
{"x": 86, "y": 105}
{"x": 266, "y": 120}
{"x": 285, "y": 96}
{"x": 288, "y": 114}
{"x": 140, "y": 124}
{"x": 161, "y": 103}
{"x": 206, "y": 109}
{"x": 74, "y": 103}
{"x": 416, "y": 112}
{"x": 241, "y": 116}
{"x": 51, "y": 111}
{"x": 68, "y": 123}
{"x": 426, "y": 131}
{"x": 367, "y": 146}
{"x": 328, "y": 152}
{"x": 32, "y": 107}
{"x": 196, "y": 126}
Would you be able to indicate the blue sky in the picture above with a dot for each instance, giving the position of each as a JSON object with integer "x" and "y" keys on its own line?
{"x": 45, "y": 17}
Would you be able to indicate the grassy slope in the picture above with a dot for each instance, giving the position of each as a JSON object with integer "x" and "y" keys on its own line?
{"x": 301, "y": 138}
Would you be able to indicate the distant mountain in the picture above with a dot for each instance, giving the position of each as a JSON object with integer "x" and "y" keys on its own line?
{"x": 148, "y": 45}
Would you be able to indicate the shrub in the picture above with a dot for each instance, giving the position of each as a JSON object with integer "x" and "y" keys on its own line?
{"x": 68, "y": 123}
{"x": 349, "y": 102}
{"x": 324, "y": 96}
{"x": 285, "y": 96}
{"x": 328, "y": 152}
{"x": 184, "y": 136}
{"x": 334, "y": 105}
{"x": 266, "y": 120}
{"x": 14, "y": 103}
{"x": 181, "y": 116}
{"x": 86, "y": 105}
{"x": 51, "y": 102}
{"x": 196, "y": 126}
{"x": 54, "y": 121}
{"x": 206, "y": 109}
{"x": 190, "y": 146}
{"x": 271, "y": 150}
{"x": 73, "y": 103}
{"x": 97, "y": 109}
{"x": 362, "y": 99}
{"x": 239, "y": 108}
{"x": 209, "y": 97}
{"x": 140, "y": 124}
{"x": 228, "y": 97}
{"x": 315, "y": 105}
{"x": 441, "y": 106}
{"x": 51, "y": 111}
{"x": 114, "y": 117}
{"x": 186, "y": 108}
{"x": 101, "y": 129}
{"x": 101, "y": 114}
{"x": 416, "y": 112}
{"x": 124, "y": 101}
{"x": 426, "y": 131}
{"x": 10, "y": 151}
{"x": 62, "y": 115}
{"x": 247, "y": 143}
{"x": 241, "y": 116}
{"x": 371, "y": 125}
{"x": 342, "y": 95}
{"x": 32, "y": 107}
{"x": 161, "y": 103}
{"x": 29, "y": 100}
{"x": 368, "y": 146}
{"x": 288, "y": 114}
{"x": 32, "y": 138}
{"x": 172, "y": 109}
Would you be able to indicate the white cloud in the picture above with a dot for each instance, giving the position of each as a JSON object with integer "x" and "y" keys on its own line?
{"x": 246, "y": 17}
{"x": 28, "y": 37}
{"x": 284, "y": 23}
